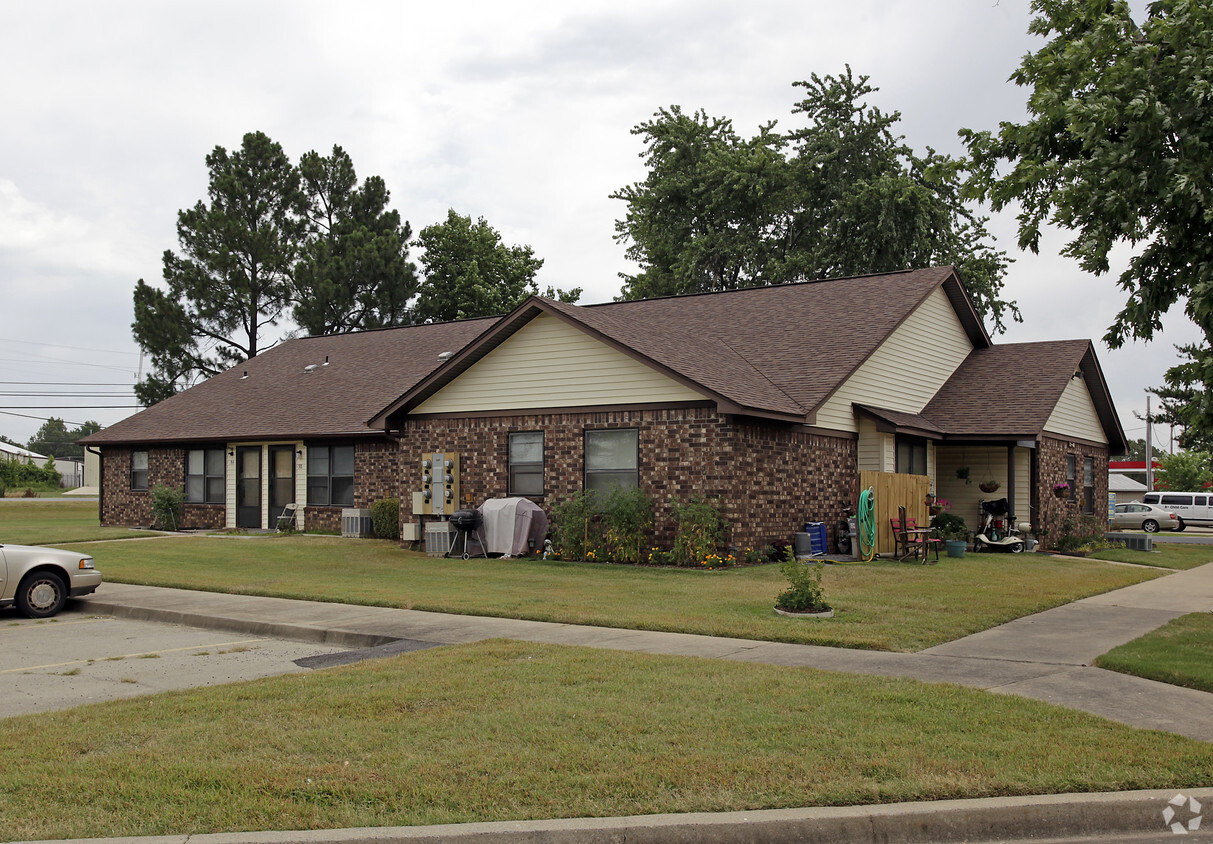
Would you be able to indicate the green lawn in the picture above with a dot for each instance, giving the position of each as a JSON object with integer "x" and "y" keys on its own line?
{"x": 882, "y": 605}
{"x": 1171, "y": 555}
{"x": 39, "y": 521}
{"x": 510, "y": 730}
{"x": 1180, "y": 653}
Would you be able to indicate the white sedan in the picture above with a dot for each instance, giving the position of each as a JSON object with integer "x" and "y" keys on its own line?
{"x": 1148, "y": 517}
{"x": 38, "y": 579}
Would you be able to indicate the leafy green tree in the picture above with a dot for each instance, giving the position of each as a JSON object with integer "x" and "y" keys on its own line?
{"x": 55, "y": 439}
{"x": 1118, "y": 150}
{"x": 232, "y": 279}
{"x": 1185, "y": 470}
{"x": 468, "y": 272}
{"x": 841, "y": 195}
{"x": 1185, "y": 398}
{"x": 354, "y": 272}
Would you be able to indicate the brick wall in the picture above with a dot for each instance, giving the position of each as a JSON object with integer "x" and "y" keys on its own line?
{"x": 121, "y": 505}
{"x": 376, "y": 475}
{"x": 768, "y": 479}
{"x": 1051, "y": 468}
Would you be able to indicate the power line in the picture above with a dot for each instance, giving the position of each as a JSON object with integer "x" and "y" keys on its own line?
{"x": 68, "y": 383}
{"x": 42, "y": 418}
{"x": 60, "y": 362}
{"x": 61, "y": 346}
{"x": 69, "y": 406}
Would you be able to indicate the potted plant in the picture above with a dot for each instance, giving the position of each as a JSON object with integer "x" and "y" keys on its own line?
{"x": 989, "y": 486}
{"x": 953, "y": 531}
{"x": 1061, "y": 489}
{"x": 938, "y": 506}
{"x": 804, "y": 597}
{"x": 963, "y": 474}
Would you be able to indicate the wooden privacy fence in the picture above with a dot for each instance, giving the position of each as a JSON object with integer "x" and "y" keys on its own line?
{"x": 891, "y": 491}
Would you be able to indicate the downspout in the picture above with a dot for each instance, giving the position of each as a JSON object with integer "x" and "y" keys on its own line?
{"x": 100, "y": 480}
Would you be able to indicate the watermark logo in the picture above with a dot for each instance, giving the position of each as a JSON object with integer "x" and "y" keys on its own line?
{"x": 1182, "y": 814}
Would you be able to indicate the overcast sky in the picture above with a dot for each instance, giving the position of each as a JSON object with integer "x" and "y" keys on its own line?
{"x": 518, "y": 112}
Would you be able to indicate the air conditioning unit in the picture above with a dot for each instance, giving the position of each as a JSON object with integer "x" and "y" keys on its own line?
{"x": 1133, "y": 541}
{"x": 356, "y": 522}
{"x": 437, "y": 538}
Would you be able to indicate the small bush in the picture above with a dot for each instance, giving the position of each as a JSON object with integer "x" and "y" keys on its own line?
{"x": 950, "y": 526}
{"x": 167, "y": 503}
{"x": 575, "y": 530}
{"x": 804, "y": 592}
{"x": 777, "y": 550}
{"x": 700, "y": 532}
{"x": 627, "y": 518}
{"x": 385, "y": 518}
{"x": 1083, "y": 534}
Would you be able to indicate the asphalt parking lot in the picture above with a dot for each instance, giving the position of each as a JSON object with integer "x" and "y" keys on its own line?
{"x": 79, "y": 657}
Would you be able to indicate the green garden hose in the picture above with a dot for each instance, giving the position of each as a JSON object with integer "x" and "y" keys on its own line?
{"x": 866, "y": 519}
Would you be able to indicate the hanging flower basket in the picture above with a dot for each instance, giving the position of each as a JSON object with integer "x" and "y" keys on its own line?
{"x": 989, "y": 486}
{"x": 1061, "y": 490}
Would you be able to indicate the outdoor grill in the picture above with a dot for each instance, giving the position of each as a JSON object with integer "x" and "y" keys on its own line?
{"x": 466, "y": 524}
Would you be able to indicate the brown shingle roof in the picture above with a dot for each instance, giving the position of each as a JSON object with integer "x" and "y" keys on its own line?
{"x": 366, "y": 372}
{"x": 778, "y": 351}
{"x": 1012, "y": 389}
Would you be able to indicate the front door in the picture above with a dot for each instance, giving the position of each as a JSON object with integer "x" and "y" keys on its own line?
{"x": 282, "y": 480}
{"x": 248, "y": 487}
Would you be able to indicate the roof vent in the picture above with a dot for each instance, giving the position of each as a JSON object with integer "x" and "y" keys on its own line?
{"x": 443, "y": 357}
{"x": 244, "y": 377}
{"x": 311, "y": 367}
{"x": 326, "y": 360}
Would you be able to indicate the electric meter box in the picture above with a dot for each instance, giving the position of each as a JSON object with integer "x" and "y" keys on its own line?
{"x": 439, "y": 483}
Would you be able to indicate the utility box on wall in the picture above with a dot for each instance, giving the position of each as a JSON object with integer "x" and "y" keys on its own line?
{"x": 439, "y": 483}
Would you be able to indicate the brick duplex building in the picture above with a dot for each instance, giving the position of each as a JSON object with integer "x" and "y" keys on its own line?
{"x": 769, "y": 400}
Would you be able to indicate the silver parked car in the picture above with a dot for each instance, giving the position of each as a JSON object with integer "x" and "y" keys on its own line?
{"x": 38, "y": 580}
{"x": 1148, "y": 517}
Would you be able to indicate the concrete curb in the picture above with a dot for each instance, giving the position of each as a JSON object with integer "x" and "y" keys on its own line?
{"x": 275, "y": 629}
{"x": 988, "y": 819}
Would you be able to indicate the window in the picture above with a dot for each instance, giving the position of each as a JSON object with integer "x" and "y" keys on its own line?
{"x": 1071, "y": 472}
{"x": 330, "y": 475}
{"x": 205, "y": 471}
{"x": 139, "y": 470}
{"x": 526, "y": 463}
{"x": 911, "y": 456}
{"x": 1088, "y": 485}
{"x": 1176, "y": 501}
{"x": 612, "y": 459}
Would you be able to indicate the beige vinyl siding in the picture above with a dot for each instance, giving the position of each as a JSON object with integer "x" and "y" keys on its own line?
{"x": 1021, "y": 506}
{"x": 548, "y": 363}
{"x": 876, "y": 449}
{"x": 984, "y": 463}
{"x": 1075, "y": 414}
{"x": 909, "y": 367}
{"x": 230, "y": 494}
{"x": 300, "y": 482}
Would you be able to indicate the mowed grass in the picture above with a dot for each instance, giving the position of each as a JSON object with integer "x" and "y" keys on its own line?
{"x": 508, "y": 731}
{"x": 882, "y": 605}
{"x": 1171, "y": 555}
{"x": 37, "y": 521}
{"x": 1180, "y": 653}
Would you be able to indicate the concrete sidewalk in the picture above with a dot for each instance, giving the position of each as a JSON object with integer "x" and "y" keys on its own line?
{"x": 1045, "y": 656}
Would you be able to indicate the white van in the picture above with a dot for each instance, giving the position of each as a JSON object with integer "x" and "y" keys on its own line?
{"x": 1195, "y": 508}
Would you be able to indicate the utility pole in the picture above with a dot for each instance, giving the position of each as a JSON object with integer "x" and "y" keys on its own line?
{"x": 1149, "y": 450}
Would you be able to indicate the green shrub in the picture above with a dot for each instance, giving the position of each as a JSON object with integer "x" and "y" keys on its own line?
{"x": 575, "y": 527}
{"x": 627, "y": 520}
{"x": 950, "y": 526}
{"x": 385, "y": 518}
{"x": 700, "y": 533}
{"x": 167, "y": 503}
{"x": 805, "y": 592}
{"x": 1083, "y": 534}
{"x": 19, "y": 473}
